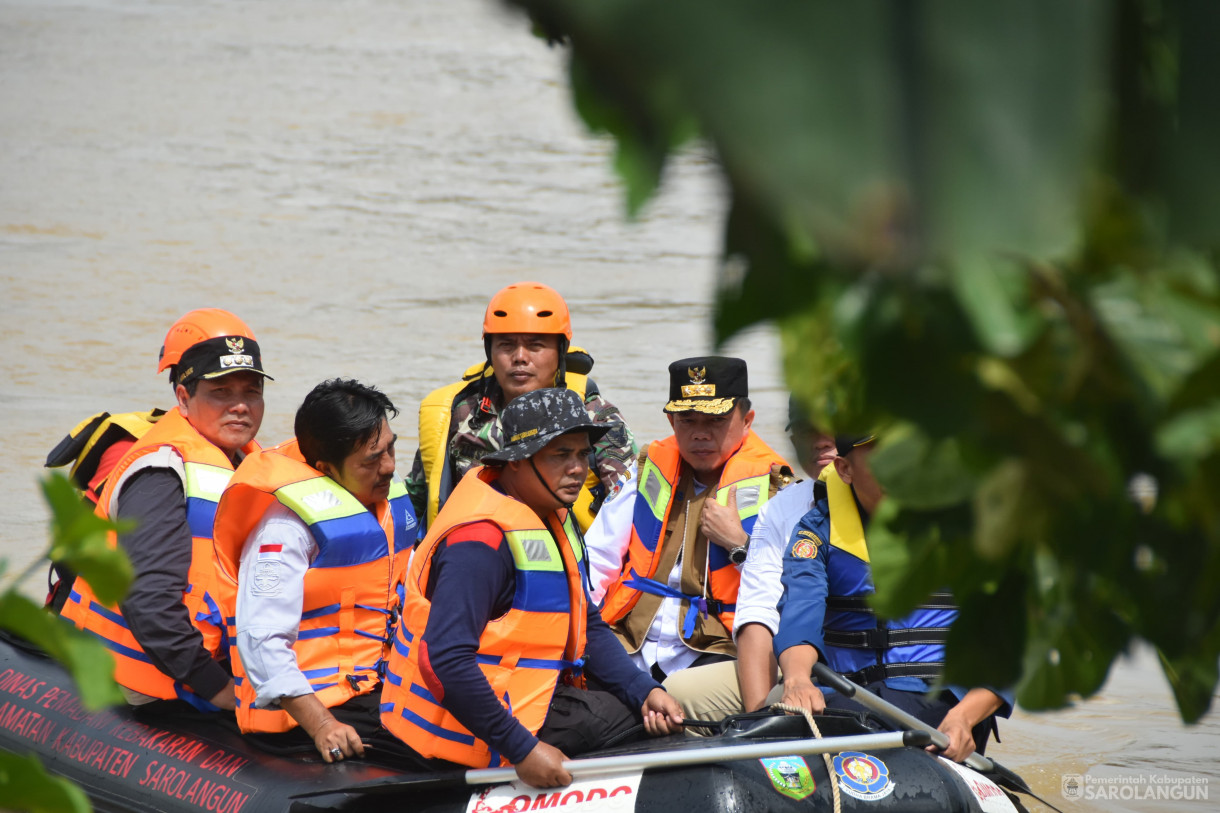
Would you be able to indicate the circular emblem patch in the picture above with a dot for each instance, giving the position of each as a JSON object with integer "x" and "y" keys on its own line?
{"x": 805, "y": 549}
{"x": 863, "y": 776}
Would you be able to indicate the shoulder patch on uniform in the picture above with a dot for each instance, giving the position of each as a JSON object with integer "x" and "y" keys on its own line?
{"x": 806, "y": 545}
{"x": 267, "y": 578}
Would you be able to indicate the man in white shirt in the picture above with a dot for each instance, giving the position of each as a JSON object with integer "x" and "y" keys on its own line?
{"x": 716, "y": 690}
{"x": 665, "y": 556}
{"x": 319, "y": 532}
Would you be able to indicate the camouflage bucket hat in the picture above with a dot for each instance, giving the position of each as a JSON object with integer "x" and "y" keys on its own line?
{"x": 534, "y": 419}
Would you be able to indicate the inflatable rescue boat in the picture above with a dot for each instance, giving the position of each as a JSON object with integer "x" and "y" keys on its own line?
{"x": 755, "y": 763}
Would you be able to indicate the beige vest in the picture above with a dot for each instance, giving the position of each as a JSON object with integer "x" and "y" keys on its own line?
{"x": 682, "y": 535}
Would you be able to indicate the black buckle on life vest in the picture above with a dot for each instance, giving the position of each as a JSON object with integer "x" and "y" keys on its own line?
{"x": 882, "y": 638}
{"x": 354, "y": 681}
{"x": 885, "y": 671}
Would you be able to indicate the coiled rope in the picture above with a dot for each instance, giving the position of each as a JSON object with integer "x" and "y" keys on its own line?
{"x": 817, "y": 733}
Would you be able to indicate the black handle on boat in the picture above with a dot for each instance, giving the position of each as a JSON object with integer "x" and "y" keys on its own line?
{"x": 916, "y": 739}
{"x": 864, "y": 697}
{"x": 829, "y": 677}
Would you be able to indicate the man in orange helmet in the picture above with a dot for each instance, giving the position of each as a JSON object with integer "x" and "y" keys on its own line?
{"x": 167, "y": 635}
{"x": 527, "y": 333}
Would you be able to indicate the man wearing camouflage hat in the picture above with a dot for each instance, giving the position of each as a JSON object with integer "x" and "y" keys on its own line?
{"x": 497, "y": 629}
{"x": 667, "y": 551}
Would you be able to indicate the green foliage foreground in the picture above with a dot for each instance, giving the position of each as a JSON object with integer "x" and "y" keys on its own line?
{"x": 79, "y": 540}
{"x": 990, "y": 229}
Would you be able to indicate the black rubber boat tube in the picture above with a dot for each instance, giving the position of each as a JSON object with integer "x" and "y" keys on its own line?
{"x": 598, "y": 766}
{"x": 864, "y": 697}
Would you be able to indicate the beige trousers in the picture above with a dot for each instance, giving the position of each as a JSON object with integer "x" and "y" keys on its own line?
{"x": 706, "y": 692}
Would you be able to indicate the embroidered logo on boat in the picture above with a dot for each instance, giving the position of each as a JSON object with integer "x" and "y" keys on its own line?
{"x": 790, "y": 776}
{"x": 863, "y": 776}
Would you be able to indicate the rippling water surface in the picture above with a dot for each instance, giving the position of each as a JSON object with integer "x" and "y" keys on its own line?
{"x": 355, "y": 179}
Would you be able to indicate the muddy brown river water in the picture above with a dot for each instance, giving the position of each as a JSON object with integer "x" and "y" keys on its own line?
{"x": 355, "y": 178}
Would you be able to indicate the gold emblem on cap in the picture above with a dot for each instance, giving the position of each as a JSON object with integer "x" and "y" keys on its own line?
{"x": 697, "y": 374}
{"x": 699, "y": 391}
{"x": 235, "y": 344}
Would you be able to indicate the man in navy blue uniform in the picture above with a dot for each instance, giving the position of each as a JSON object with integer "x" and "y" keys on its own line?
{"x": 824, "y": 616}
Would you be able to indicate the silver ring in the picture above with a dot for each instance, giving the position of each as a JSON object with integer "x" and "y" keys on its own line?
{"x": 336, "y": 752}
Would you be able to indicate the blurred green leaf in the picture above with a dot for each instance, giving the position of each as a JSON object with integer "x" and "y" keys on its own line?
{"x": 914, "y": 345}
{"x": 81, "y": 540}
{"x": 1152, "y": 346}
{"x": 984, "y": 647}
{"x": 642, "y": 149}
{"x": 994, "y": 293}
{"x": 1071, "y": 643}
{"x": 988, "y": 227}
{"x": 1193, "y": 679}
{"x": 882, "y": 130}
{"x": 1003, "y": 511}
{"x": 1190, "y": 134}
{"x": 920, "y": 473}
{"x": 25, "y": 785}
{"x": 85, "y": 657}
{"x": 1191, "y": 435}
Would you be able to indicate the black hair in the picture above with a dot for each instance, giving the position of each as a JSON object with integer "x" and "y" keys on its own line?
{"x": 338, "y": 417}
{"x": 191, "y": 385}
{"x": 743, "y": 403}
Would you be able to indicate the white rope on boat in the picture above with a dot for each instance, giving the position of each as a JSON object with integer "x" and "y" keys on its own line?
{"x": 817, "y": 733}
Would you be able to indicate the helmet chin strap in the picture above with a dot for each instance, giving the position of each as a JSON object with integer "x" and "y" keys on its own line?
{"x": 560, "y": 500}
{"x": 580, "y": 538}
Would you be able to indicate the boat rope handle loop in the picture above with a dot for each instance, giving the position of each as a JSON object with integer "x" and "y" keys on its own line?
{"x": 817, "y": 733}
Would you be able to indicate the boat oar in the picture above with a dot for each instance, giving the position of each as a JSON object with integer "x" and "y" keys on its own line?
{"x": 864, "y": 697}
{"x": 600, "y": 766}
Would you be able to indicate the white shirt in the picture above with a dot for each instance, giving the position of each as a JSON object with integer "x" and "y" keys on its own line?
{"x": 760, "y": 590}
{"x": 608, "y": 540}
{"x": 270, "y": 595}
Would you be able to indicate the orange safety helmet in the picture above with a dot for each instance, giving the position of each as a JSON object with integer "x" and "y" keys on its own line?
{"x": 199, "y": 326}
{"x": 528, "y": 307}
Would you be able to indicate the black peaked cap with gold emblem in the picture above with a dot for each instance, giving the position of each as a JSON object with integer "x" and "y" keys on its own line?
{"x": 219, "y": 356}
{"x": 710, "y": 384}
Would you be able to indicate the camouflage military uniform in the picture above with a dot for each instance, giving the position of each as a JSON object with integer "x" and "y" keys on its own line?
{"x": 474, "y": 430}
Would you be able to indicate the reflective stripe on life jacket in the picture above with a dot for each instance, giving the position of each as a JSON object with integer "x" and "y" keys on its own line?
{"x": 206, "y": 471}
{"x": 435, "y": 425}
{"x": 856, "y": 642}
{"x": 749, "y": 469}
{"x": 349, "y": 600}
{"x": 521, "y": 653}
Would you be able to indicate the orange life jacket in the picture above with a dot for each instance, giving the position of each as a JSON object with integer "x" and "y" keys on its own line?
{"x": 350, "y": 599}
{"x": 207, "y": 470}
{"x": 522, "y": 653}
{"x": 749, "y": 468}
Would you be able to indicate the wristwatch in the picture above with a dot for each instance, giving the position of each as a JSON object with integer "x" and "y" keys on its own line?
{"x": 738, "y": 554}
